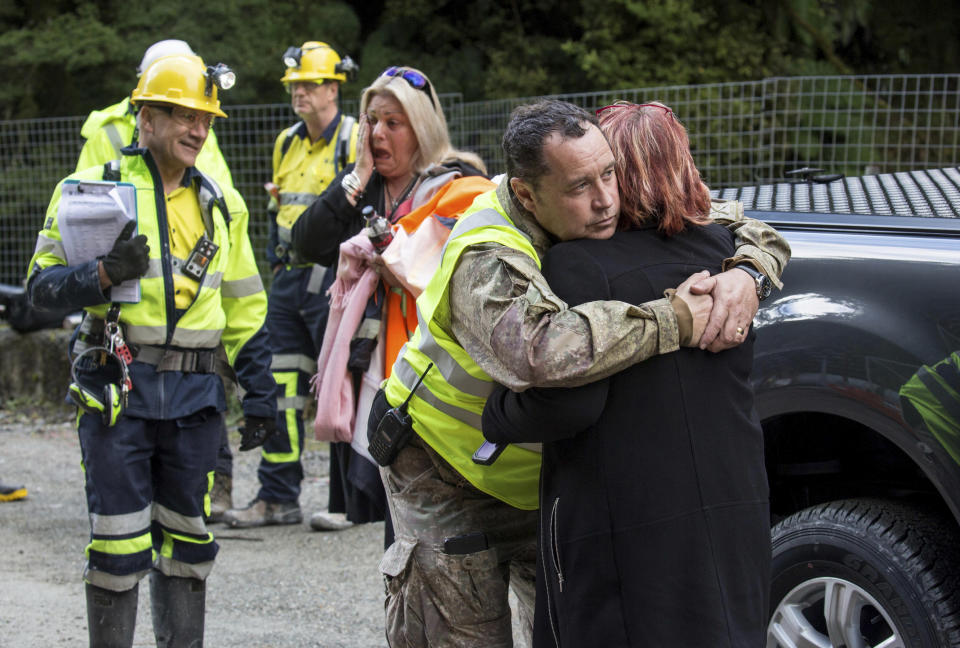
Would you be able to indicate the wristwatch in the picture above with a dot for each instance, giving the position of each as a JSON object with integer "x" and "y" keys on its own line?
{"x": 763, "y": 283}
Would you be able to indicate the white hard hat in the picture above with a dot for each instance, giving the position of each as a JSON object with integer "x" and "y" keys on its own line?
{"x": 163, "y": 48}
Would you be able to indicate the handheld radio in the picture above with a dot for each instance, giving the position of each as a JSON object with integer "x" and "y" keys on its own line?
{"x": 394, "y": 430}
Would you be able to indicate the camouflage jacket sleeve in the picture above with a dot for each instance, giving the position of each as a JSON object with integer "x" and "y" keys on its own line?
{"x": 522, "y": 335}
{"x": 756, "y": 241}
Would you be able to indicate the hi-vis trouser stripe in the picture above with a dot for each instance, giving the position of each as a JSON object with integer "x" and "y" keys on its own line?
{"x": 120, "y": 535}
{"x": 187, "y": 530}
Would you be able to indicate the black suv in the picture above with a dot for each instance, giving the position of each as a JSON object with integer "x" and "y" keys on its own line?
{"x": 857, "y": 378}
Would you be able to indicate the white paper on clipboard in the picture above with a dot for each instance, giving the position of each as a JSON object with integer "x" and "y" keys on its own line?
{"x": 90, "y": 217}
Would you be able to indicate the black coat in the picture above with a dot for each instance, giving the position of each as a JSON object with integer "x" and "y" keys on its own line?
{"x": 654, "y": 524}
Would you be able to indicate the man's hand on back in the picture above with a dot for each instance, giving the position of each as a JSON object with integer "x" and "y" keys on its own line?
{"x": 734, "y": 305}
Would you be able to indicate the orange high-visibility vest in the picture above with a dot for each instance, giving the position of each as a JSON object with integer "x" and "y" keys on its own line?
{"x": 451, "y": 200}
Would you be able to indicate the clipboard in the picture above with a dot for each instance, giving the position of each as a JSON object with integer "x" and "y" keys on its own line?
{"x": 90, "y": 217}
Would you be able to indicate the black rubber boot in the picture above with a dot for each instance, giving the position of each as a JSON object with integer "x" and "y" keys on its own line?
{"x": 111, "y": 617}
{"x": 178, "y": 606}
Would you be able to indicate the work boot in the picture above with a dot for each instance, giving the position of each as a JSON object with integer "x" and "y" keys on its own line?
{"x": 111, "y": 616}
{"x": 262, "y": 513}
{"x": 221, "y": 497}
{"x": 326, "y": 521}
{"x": 177, "y": 605}
{"x": 10, "y": 493}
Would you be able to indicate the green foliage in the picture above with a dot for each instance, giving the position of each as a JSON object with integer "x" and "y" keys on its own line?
{"x": 67, "y": 57}
{"x": 630, "y": 43}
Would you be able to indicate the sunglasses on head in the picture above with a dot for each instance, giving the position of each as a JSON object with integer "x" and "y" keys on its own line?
{"x": 636, "y": 107}
{"x": 414, "y": 78}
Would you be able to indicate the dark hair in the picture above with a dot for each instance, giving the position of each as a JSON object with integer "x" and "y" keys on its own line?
{"x": 529, "y": 128}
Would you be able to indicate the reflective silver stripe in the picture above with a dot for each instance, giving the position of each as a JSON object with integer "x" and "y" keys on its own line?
{"x": 291, "y": 402}
{"x": 284, "y": 235}
{"x": 45, "y": 245}
{"x": 238, "y": 288}
{"x": 483, "y": 218}
{"x": 297, "y": 198}
{"x": 174, "y": 567}
{"x": 115, "y": 525}
{"x": 109, "y": 581}
{"x": 315, "y": 282}
{"x": 291, "y": 361}
{"x": 409, "y": 377}
{"x": 174, "y": 521}
{"x": 114, "y": 136}
{"x": 453, "y": 373}
{"x": 154, "y": 269}
{"x": 210, "y": 280}
{"x": 146, "y": 334}
{"x": 196, "y": 338}
{"x": 369, "y": 328}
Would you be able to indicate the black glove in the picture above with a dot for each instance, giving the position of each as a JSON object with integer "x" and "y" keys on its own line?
{"x": 255, "y": 431}
{"x": 129, "y": 258}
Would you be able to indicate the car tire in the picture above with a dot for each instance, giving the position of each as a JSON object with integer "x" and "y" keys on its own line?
{"x": 864, "y": 573}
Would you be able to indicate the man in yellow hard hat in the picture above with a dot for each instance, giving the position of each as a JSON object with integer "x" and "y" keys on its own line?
{"x": 110, "y": 129}
{"x": 144, "y": 369}
{"x": 306, "y": 157}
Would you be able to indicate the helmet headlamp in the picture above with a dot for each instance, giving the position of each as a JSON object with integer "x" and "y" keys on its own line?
{"x": 222, "y": 75}
{"x": 348, "y": 67}
{"x": 291, "y": 58}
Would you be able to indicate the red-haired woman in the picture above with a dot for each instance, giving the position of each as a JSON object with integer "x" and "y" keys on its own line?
{"x": 654, "y": 527}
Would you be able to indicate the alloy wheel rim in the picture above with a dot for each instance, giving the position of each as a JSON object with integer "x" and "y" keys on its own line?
{"x": 831, "y": 613}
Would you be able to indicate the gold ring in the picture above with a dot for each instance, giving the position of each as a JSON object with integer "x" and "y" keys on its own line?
{"x": 739, "y": 330}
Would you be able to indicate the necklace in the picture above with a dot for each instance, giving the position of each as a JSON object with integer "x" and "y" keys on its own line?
{"x": 394, "y": 203}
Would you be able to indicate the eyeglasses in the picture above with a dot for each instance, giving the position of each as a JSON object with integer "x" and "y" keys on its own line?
{"x": 414, "y": 78}
{"x": 188, "y": 118}
{"x": 636, "y": 106}
{"x": 309, "y": 85}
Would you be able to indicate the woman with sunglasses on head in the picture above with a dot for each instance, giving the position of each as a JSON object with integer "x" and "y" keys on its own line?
{"x": 654, "y": 522}
{"x": 404, "y": 157}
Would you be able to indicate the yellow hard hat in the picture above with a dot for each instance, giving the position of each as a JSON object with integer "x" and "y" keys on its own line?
{"x": 184, "y": 80}
{"x": 167, "y": 47}
{"x": 316, "y": 61}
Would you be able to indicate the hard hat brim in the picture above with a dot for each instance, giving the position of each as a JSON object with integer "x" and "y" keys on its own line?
{"x": 293, "y": 75}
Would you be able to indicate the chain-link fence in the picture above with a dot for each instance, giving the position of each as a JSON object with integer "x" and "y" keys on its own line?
{"x": 741, "y": 133}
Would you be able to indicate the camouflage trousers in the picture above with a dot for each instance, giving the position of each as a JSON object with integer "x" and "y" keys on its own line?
{"x": 440, "y": 599}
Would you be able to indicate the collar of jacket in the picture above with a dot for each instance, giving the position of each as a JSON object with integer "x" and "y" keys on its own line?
{"x": 524, "y": 220}
{"x": 190, "y": 174}
{"x": 327, "y": 133}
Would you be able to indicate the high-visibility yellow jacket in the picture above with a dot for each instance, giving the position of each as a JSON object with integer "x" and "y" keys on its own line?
{"x": 230, "y": 304}
{"x": 302, "y": 170}
{"x": 108, "y": 130}
{"x": 446, "y": 409}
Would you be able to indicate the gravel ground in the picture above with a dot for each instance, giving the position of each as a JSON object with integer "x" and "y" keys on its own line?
{"x": 275, "y": 587}
{"x": 271, "y": 587}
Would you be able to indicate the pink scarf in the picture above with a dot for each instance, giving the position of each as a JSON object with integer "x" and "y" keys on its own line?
{"x": 332, "y": 384}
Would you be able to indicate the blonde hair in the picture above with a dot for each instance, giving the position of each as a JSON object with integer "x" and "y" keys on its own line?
{"x": 423, "y": 109}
